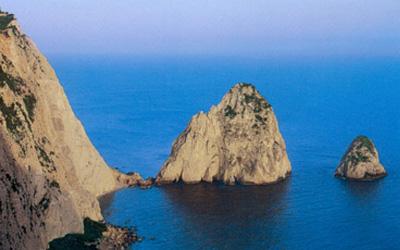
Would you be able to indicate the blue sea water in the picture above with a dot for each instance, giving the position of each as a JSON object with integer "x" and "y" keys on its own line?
{"x": 134, "y": 107}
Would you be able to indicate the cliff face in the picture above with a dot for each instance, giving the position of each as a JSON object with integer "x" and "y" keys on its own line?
{"x": 361, "y": 161}
{"x": 50, "y": 173}
{"x": 237, "y": 141}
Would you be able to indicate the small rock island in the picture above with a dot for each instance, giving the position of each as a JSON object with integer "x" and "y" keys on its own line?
{"x": 361, "y": 161}
{"x": 236, "y": 142}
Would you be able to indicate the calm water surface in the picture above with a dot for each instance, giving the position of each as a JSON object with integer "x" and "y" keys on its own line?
{"x": 133, "y": 109}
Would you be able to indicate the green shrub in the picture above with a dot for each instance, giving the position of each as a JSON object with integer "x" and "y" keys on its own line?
{"x": 230, "y": 112}
{"x": 365, "y": 142}
{"x": 44, "y": 159}
{"x": 5, "y": 21}
{"x": 258, "y": 103}
{"x": 357, "y": 158}
{"x": 10, "y": 114}
{"x": 13, "y": 83}
{"x": 30, "y": 105}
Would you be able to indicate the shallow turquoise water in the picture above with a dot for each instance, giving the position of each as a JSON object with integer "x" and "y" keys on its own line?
{"x": 133, "y": 109}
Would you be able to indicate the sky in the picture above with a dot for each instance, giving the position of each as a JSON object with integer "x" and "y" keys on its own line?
{"x": 212, "y": 27}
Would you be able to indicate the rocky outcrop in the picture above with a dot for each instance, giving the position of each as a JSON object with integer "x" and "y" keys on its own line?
{"x": 145, "y": 183}
{"x": 361, "y": 161}
{"x": 115, "y": 238}
{"x": 97, "y": 235}
{"x": 50, "y": 173}
{"x": 237, "y": 141}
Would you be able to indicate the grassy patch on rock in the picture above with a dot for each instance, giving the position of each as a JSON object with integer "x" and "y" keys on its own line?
{"x": 15, "y": 84}
{"x": 230, "y": 112}
{"x": 357, "y": 158}
{"x": 258, "y": 103}
{"x": 365, "y": 142}
{"x": 30, "y": 105}
{"x": 10, "y": 114}
{"x": 44, "y": 158}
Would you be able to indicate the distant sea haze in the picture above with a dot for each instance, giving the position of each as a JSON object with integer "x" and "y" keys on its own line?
{"x": 223, "y": 27}
{"x": 133, "y": 108}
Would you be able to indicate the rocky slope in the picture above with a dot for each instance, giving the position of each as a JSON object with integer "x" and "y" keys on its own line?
{"x": 237, "y": 141}
{"x": 361, "y": 161}
{"x": 50, "y": 173}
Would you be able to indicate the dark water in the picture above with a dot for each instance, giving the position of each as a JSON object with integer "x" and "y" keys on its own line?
{"x": 133, "y": 109}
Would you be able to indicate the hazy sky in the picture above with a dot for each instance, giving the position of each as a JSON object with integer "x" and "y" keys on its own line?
{"x": 216, "y": 27}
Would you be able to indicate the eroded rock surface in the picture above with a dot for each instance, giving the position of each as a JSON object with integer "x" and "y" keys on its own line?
{"x": 50, "y": 173}
{"x": 237, "y": 141}
{"x": 361, "y": 161}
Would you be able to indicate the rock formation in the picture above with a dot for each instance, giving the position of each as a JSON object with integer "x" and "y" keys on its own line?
{"x": 97, "y": 235}
{"x": 361, "y": 161}
{"x": 237, "y": 141}
{"x": 50, "y": 173}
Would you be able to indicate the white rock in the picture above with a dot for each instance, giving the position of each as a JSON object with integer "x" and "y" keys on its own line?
{"x": 237, "y": 141}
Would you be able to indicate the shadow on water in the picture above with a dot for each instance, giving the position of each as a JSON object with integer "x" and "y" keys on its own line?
{"x": 106, "y": 202}
{"x": 362, "y": 190}
{"x": 240, "y": 215}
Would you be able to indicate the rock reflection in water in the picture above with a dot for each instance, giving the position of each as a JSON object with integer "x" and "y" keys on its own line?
{"x": 203, "y": 216}
{"x": 240, "y": 215}
{"x": 362, "y": 190}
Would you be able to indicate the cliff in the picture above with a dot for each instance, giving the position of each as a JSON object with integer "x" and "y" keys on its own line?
{"x": 361, "y": 161}
{"x": 50, "y": 173}
{"x": 237, "y": 141}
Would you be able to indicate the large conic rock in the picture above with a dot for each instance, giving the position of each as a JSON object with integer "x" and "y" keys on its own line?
{"x": 237, "y": 141}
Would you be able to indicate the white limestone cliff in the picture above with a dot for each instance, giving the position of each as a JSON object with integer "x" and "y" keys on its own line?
{"x": 50, "y": 173}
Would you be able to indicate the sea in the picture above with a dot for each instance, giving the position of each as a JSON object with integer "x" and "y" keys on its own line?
{"x": 134, "y": 107}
